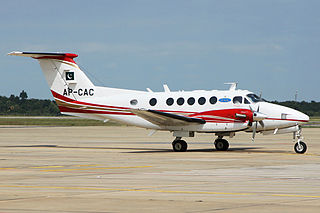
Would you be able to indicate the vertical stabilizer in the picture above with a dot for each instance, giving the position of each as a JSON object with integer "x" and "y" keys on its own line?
{"x": 63, "y": 75}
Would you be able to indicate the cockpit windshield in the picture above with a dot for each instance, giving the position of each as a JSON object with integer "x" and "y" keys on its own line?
{"x": 254, "y": 98}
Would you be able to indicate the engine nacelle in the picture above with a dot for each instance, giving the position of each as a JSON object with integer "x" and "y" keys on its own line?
{"x": 281, "y": 131}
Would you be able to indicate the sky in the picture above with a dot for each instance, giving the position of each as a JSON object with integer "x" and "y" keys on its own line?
{"x": 267, "y": 46}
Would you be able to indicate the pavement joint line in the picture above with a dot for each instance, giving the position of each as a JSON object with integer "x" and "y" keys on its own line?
{"x": 44, "y": 167}
{"x": 160, "y": 191}
{"x": 116, "y": 167}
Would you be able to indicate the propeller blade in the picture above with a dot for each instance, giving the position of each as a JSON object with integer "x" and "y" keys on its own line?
{"x": 257, "y": 117}
{"x": 250, "y": 108}
{"x": 254, "y": 129}
{"x": 261, "y": 123}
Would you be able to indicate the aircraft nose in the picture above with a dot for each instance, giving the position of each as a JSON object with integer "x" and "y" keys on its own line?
{"x": 285, "y": 113}
{"x": 303, "y": 117}
{"x": 299, "y": 116}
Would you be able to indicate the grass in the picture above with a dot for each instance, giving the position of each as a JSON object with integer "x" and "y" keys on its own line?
{"x": 314, "y": 118}
{"x": 54, "y": 122}
{"x": 313, "y": 123}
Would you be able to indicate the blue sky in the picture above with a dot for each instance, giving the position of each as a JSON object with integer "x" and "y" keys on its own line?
{"x": 268, "y": 46}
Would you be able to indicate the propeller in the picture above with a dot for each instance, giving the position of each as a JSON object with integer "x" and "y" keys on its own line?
{"x": 257, "y": 117}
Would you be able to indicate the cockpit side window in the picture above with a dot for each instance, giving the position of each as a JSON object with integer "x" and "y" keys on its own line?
{"x": 237, "y": 100}
{"x": 254, "y": 98}
{"x": 246, "y": 101}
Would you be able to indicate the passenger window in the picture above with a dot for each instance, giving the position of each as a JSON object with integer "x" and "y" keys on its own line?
{"x": 191, "y": 101}
{"x": 213, "y": 100}
{"x": 169, "y": 101}
{"x": 134, "y": 102}
{"x": 153, "y": 101}
{"x": 180, "y": 101}
{"x": 237, "y": 100}
{"x": 201, "y": 100}
{"x": 284, "y": 116}
{"x": 246, "y": 101}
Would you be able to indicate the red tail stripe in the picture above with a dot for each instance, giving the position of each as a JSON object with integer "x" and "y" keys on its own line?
{"x": 66, "y": 57}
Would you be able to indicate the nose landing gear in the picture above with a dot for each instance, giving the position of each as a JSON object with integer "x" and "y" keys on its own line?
{"x": 300, "y": 147}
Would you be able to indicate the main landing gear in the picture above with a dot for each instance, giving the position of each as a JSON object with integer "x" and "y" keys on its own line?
{"x": 221, "y": 144}
{"x": 300, "y": 147}
{"x": 179, "y": 145}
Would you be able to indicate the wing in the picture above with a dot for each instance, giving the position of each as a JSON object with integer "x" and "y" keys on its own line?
{"x": 166, "y": 119}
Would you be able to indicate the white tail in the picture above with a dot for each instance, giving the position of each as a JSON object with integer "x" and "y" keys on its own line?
{"x": 63, "y": 75}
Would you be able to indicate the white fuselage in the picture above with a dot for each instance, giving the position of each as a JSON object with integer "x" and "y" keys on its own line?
{"x": 278, "y": 117}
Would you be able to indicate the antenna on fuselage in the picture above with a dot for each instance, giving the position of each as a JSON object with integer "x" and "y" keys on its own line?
{"x": 166, "y": 88}
{"x": 233, "y": 86}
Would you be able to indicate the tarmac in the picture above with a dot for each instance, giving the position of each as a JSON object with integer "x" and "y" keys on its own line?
{"x": 122, "y": 169}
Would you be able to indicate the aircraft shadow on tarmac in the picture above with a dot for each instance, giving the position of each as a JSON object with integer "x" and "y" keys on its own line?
{"x": 147, "y": 150}
{"x": 153, "y": 150}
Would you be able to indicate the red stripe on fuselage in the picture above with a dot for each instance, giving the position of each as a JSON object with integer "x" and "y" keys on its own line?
{"x": 225, "y": 113}
{"x": 57, "y": 95}
{"x": 71, "y": 110}
{"x": 279, "y": 119}
{"x": 67, "y": 109}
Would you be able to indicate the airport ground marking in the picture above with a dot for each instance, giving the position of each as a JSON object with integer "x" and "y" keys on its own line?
{"x": 160, "y": 191}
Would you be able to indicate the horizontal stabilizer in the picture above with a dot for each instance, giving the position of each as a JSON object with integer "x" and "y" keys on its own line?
{"x": 166, "y": 119}
{"x": 38, "y": 55}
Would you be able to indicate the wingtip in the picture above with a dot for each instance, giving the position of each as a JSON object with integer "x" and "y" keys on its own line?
{"x": 15, "y": 53}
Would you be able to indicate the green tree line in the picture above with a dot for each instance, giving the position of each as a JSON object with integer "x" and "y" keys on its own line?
{"x": 21, "y": 105}
{"x": 310, "y": 108}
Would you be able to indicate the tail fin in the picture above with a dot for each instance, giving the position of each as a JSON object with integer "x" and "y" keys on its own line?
{"x": 63, "y": 75}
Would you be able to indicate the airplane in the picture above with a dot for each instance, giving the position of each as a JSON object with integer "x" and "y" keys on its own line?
{"x": 184, "y": 113}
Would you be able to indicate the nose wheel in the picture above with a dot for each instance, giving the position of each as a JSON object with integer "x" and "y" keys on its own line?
{"x": 300, "y": 147}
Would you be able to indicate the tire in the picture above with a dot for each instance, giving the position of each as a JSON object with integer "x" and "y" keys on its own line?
{"x": 300, "y": 149}
{"x": 179, "y": 146}
{"x": 221, "y": 145}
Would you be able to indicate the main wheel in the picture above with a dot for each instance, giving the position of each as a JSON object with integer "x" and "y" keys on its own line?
{"x": 179, "y": 146}
{"x": 221, "y": 145}
{"x": 300, "y": 149}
